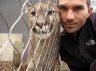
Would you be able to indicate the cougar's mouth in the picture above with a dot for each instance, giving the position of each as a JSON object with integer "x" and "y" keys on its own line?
{"x": 43, "y": 31}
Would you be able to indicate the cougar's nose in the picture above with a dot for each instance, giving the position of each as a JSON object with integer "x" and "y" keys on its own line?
{"x": 40, "y": 21}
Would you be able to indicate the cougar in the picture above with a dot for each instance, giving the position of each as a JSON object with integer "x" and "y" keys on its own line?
{"x": 44, "y": 24}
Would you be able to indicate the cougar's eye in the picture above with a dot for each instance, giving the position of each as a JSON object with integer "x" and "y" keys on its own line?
{"x": 50, "y": 12}
{"x": 33, "y": 13}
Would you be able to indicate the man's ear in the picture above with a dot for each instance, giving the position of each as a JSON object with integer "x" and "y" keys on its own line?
{"x": 27, "y": 6}
{"x": 90, "y": 10}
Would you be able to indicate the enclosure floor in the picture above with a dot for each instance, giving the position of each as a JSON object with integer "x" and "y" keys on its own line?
{"x": 8, "y": 66}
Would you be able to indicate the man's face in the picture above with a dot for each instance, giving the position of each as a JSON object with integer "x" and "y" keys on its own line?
{"x": 73, "y": 14}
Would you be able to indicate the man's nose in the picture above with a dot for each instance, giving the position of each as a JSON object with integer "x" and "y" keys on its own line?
{"x": 70, "y": 15}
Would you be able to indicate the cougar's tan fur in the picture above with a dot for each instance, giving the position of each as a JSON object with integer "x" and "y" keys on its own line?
{"x": 43, "y": 56}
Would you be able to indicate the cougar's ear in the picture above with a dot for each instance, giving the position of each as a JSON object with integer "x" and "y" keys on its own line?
{"x": 27, "y": 6}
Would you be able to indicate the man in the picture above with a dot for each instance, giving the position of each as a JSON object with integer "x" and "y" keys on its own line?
{"x": 78, "y": 41}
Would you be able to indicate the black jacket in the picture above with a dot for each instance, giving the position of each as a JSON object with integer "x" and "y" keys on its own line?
{"x": 78, "y": 49}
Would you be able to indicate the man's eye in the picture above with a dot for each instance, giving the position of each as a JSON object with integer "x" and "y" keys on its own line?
{"x": 50, "y": 12}
{"x": 33, "y": 13}
{"x": 78, "y": 8}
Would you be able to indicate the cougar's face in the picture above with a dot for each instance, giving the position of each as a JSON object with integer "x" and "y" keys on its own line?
{"x": 43, "y": 18}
